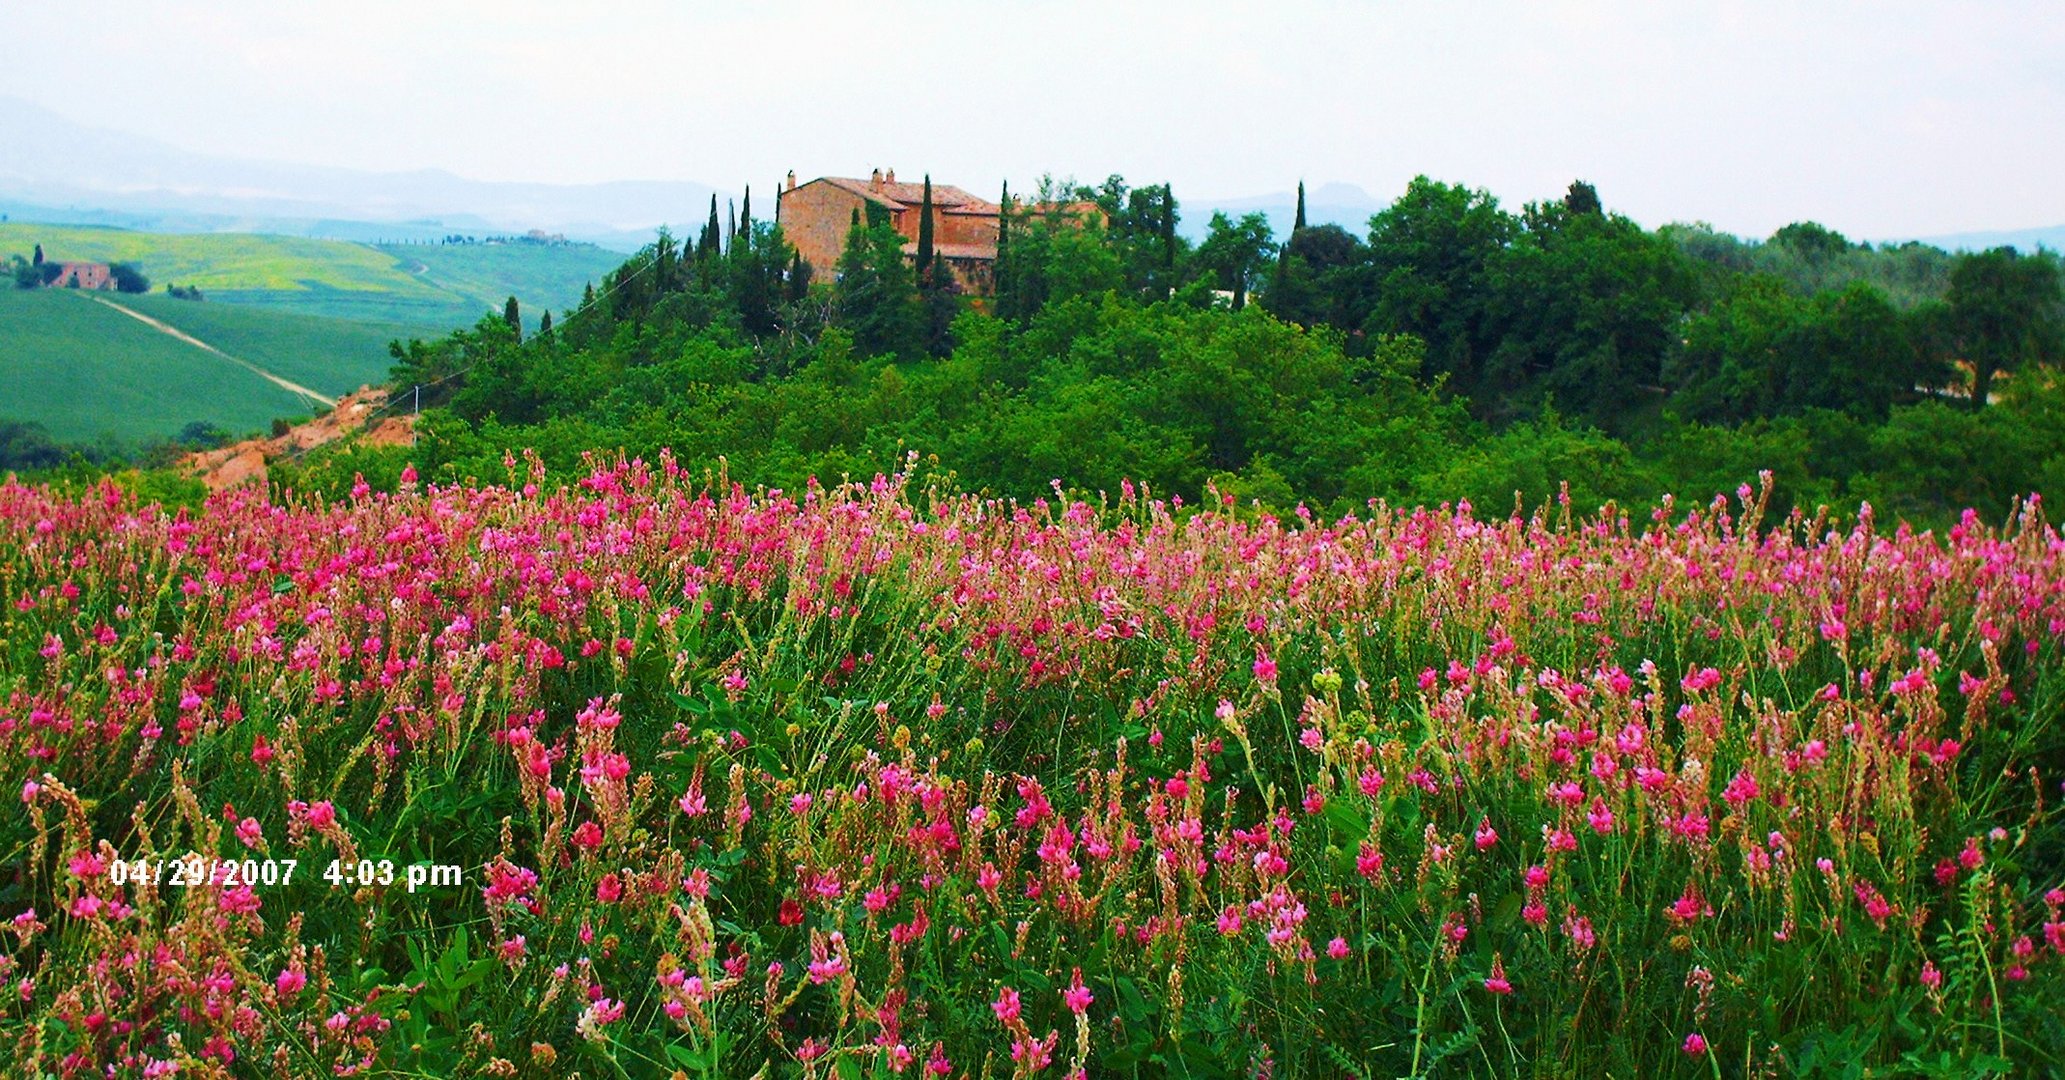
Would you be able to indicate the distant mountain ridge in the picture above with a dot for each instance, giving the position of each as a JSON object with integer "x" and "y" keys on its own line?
{"x": 53, "y": 166}
{"x": 55, "y": 170}
{"x": 1345, "y": 205}
{"x": 2023, "y": 240}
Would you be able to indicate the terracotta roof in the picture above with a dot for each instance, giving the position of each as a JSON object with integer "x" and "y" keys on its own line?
{"x": 946, "y": 197}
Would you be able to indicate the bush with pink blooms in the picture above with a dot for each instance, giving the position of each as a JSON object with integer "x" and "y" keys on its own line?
{"x": 871, "y": 782}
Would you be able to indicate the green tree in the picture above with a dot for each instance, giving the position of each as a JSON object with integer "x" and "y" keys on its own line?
{"x": 1235, "y": 254}
{"x": 1430, "y": 261}
{"x": 1812, "y": 240}
{"x": 2004, "y": 312}
{"x": 38, "y": 260}
{"x": 129, "y": 278}
{"x": 513, "y": 315}
{"x": 1000, "y": 281}
{"x": 1586, "y": 308}
{"x": 925, "y": 232}
{"x": 1582, "y": 198}
{"x": 707, "y": 244}
{"x": 876, "y": 297}
{"x": 1055, "y": 253}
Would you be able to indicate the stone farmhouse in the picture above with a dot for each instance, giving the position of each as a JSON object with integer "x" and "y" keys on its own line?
{"x": 815, "y": 218}
{"x": 83, "y": 275}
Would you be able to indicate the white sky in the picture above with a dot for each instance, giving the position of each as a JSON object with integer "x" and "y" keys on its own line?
{"x": 1881, "y": 119}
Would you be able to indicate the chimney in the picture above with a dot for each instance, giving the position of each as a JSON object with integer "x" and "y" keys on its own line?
{"x": 792, "y": 179}
{"x": 875, "y": 181}
{"x": 891, "y": 177}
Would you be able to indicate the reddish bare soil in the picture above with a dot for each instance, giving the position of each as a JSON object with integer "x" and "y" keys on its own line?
{"x": 245, "y": 462}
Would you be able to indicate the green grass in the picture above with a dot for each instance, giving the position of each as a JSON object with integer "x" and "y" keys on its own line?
{"x": 539, "y": 277}
{"x": 334, "y": 356}
{"x": 316, "y": 312}
{"x": 430, "y": 288}
{"x": 89, "y": 373}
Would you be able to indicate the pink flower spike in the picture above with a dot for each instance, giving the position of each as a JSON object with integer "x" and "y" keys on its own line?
{"x": 1006, "y": 1006}
{"x": 1497, "y": 983}
{"x": 1695, "y": 1044}
{"x": 1077, "y": 997}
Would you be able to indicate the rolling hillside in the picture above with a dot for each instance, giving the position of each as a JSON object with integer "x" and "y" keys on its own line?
{"x": 430, "y": 288}
{"x": 88, "y": 372}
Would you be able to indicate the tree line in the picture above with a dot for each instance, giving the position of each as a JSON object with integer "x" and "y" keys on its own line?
{"x": 1453, "y": 349}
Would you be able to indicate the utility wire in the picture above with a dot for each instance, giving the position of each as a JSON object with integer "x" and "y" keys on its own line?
{"x": 395, "y": 401}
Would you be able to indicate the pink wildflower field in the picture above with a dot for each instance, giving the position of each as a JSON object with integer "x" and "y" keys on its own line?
{"x": 649, "y": 775}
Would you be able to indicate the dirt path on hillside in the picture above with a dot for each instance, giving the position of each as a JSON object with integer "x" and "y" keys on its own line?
{"x": 285, "y": 384}
{"x": 362, "y": 415}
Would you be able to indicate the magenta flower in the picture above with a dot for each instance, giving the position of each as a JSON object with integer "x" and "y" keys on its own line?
{"x": 1006, "y": 1006}
{"x": 1077, "y": 997}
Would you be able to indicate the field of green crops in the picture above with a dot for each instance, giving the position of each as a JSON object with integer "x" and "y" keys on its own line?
{"x": 317, "y": 312}
{"x": 431, "y": 287}
{"x": 88, "y": 373}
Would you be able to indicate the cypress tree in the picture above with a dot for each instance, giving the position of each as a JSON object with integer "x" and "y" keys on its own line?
{"x": 1168, "y": 228}
{"x": 731, "y": 224}
{"x": 545, "y": 323}
{"x": 588, "y": 296}
{"x": 708, "y": 245}
{"x": 663, "y": 259}
{"x": 799, "y": 276}
{"x": 514, "y": 317}
{"x": 925, "y": 233}
{"x": 39, "y": 256}
{"x": 746, "y": 216}
{"x": 1299, "y": 221}
{"x": 1000, "y": 274}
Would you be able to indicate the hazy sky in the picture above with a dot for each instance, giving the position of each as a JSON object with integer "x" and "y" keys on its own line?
{"x": 1880, "y": 119}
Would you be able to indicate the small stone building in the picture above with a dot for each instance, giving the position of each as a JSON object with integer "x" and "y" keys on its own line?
{"x": 83, "y": 275}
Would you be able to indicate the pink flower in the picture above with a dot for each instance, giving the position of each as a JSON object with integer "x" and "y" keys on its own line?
{"x": 1600, "y": 817}
{"x": 1695, "y": 1044}
{"x": 1486, "y": 835}
{"x": 1006, "y": 1006}
{"x": 1497, "y": 983}
{"x": 1337, "y": 948}
{"x": 322, "y": 815}
{"x": 289, "y": 982}
{"x": 1265, "y": 669}
{"x": 1369, "y": 862}
{"x": 1077, "y": 997}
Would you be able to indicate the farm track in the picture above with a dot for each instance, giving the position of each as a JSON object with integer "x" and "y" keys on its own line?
{"x": 165, "y": 328}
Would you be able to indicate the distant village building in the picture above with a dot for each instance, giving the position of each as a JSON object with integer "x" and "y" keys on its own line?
{"x": 815, "y": 218}
{"x": 83, "y": 275}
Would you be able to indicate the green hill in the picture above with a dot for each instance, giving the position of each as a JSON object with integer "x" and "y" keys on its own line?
{"x": 431, "y": 288}
{"x": 89, "y": 372}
